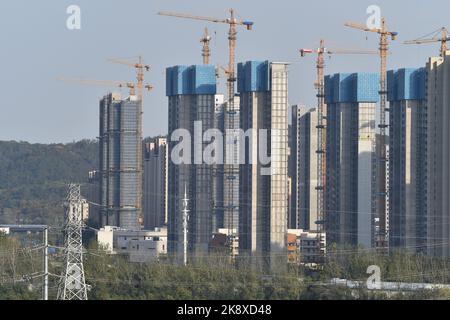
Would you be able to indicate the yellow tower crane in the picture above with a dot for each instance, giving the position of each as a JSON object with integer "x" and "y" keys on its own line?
{"x": 321, "y": 114}
{"x": 206, "y": 52}
{"x": 381, "y": 238}
{"x": 443, "y": 39}
{"x": 141, "y": 68}
{"x": 231, "y": 171}
{"x": 232, "y": 38}
{"x": 107, "y": 83}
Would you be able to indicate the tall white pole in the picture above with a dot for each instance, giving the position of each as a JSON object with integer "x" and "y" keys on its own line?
{"x": 185, "y": 223}
{"x": 46, "y": 263}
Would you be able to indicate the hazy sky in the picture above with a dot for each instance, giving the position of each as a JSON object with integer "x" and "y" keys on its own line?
{"x": 37, "y": 48}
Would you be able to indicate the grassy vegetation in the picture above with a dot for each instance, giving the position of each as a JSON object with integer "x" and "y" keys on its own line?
{"x": 112, "y": 277}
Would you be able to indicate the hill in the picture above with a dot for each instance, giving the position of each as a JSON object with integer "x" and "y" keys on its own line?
{"x": 34, "y": 178}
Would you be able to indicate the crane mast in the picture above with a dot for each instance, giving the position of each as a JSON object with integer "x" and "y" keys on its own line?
{"x": 320, "y": 152}
{"x": 231, "y": 169}
{"x": 206, "y": 51}
{"x": 321, "y": 125}
{"x": 382, "y": 160}
{"x": 140, "y": 68}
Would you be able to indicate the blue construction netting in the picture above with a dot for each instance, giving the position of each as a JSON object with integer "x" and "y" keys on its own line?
{"x": 368, "y": 87}
{"x": 352, "y": 87}
{"x": 406, "y": 84}
{"x": 195, "y": 79}
{"x": 253, "y": 76}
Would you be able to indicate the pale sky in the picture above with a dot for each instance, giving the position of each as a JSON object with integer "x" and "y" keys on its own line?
{"x": 37, "y": 48}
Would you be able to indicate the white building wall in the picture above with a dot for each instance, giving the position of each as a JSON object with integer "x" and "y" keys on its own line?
{"x": 366, "y": 143}
{"x": 307, "y": 167}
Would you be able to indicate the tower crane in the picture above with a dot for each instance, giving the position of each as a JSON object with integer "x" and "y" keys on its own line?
{"x": 141, "y": 68}
{"x": 111, "y": 83}
{"x": 206, "y": 52}
{"x": 232, "y": 38}
{"x": 381, "y": 237}
{"x": 321, "y": 114}
{"x": 442, "y": 39}
{"x": 230, "y": 170}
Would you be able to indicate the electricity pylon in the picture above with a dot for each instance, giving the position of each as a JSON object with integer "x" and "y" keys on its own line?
{"x": 73, "y": 285}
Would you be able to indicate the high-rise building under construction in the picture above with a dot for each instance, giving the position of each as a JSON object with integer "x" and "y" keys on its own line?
{"x": 436, "y": 231}
{"x": 154, "y": 204}
{"x": 226, "y": 186}
{"x": 407, "y": 159}
{"x": 263, "y": 89}
{"x": 120, "y": 161}
{"x": 306, "y": 173}
{"x": 191, "y": 92}
{"x": 350, "y": 196}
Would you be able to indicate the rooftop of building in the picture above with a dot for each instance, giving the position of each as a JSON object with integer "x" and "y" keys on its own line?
{"x": 191, "y": 80}
{"x": 356, "y": 87}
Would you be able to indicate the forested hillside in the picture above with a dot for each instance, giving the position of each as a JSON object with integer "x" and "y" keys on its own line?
{"x": 33, "y": 178}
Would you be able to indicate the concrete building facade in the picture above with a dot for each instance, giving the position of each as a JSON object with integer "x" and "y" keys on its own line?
{"x": 155, "y": 195}
{"x": 141, "y": 246}
{"x": 92, "y": 191}
{"x": 218, "y": 180}
{"x": 292, "y": 168}
{"x": 350, "y": 196}
{"x": 436, "y": 231}
{"x": 263, "y": 89}
{"x": 191, "y": 92}
{"x": 311, "y": 245}
{"x": 121, "y": 161}
{"x": 226, "y": 199}
{"x": 307, "y": 140}
{"x": 407, "y": 159}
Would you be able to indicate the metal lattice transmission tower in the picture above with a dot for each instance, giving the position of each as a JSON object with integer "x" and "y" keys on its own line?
{"x": 382, "y": 160}
{"x": 73, "y": 285}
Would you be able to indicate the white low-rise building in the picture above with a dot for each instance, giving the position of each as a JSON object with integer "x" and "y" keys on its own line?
{"x": 138, "y": 245}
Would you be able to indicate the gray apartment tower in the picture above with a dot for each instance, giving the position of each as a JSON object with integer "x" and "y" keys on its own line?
{"x": 351, "y": 144}
{"x": 306, "y": 169}
{"x": 92, "y": 190}
{"x": 218, "y": 181}
{"x": 121, "y": 161}
{"x": 226, "y": 189}
{"x": 263, "y": 89}
{"x": 292, "y": 167}
{"x": 155, "y": 183}
{"x": 407, "y": 159}
{"x": 191, "y": 92}
{"x": 437, "y": 227}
